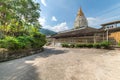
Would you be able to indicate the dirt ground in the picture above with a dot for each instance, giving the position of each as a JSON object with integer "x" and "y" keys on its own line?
{"x": 64, "y": 64}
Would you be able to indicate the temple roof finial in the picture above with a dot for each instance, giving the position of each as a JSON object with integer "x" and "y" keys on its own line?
{"x": 80, "y": 12}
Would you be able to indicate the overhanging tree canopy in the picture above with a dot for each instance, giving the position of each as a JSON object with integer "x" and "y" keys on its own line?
{"x": 19, "y": 16}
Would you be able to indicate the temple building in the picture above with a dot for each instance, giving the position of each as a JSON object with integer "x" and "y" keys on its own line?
{"x": 83, "y": 33}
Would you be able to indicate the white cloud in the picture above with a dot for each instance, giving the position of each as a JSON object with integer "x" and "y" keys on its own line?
{"x": 93, "y": 22}
{"x": 57, "y": 28}
{"x": 42, "y": 21}
{"x": 60, "y": 27}
{"x": 54, "y": 18}
{"x": 44, "y": 2}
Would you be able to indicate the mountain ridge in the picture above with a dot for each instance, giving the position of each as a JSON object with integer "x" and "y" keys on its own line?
{"x": 47, "y": 32}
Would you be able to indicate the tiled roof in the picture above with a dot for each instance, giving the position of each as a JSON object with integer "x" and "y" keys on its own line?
{"x": 76, "y": 33}
{"x": 109, "y": 23}
{"x": 88, "y": 31}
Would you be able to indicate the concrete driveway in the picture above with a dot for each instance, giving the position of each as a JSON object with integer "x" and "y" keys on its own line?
{"x": 64, "y": 64}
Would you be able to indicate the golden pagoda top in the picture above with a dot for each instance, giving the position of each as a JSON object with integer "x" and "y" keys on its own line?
{"x": 80, "y": 12}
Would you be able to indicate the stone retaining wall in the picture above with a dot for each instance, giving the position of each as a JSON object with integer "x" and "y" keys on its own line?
{"x": 9, "y": 55}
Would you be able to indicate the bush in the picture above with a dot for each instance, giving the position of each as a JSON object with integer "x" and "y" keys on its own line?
{"x": 10, "y": 43}
{"x": 71, "y": 45}
{"x": 89, "y": 45}
{"x": 79, "y": 45}
{"x": 97, "y": 45}
{"x": 65, "y": 45}
{"x": 23, "y": 42}
{"x": 105, "y": 44}
{"x": 84, "y": 45}
{"x": 2, "y": 43}
{"x": 39, "y": 40}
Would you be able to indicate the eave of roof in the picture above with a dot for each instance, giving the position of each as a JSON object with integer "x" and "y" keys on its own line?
{"x": 83, "y": 32}
{"x": 76, "y": 33}
{"x": 109, "y": 23}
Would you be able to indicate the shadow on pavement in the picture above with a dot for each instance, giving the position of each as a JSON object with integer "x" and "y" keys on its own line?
{"x": 20, "y": 70}
{"x": 52, "y": 51}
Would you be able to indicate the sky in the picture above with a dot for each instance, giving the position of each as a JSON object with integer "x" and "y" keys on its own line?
{"x": 59, "y": 15}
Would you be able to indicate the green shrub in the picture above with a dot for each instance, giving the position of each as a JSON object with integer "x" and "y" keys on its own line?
{"x": 97, "y": 45}
{"x": 10, "y": 43}
{"x": 80, "y": 45}
{"x": 25, "y": 42}
{"x": 2, "y": 43}
{"x": 39, "y": 40}
{"x": 77, "y": 45}
{"x": 68, "y": 45}
{"x": 71, "y": 45}
{"x": 105, "y": 44}
{"x": 84, "y": 45}
{"x": 65, "y": 45}
{"x": 89, "y": 45}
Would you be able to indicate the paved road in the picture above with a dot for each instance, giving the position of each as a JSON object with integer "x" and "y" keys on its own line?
{"x": 64, "y": 64}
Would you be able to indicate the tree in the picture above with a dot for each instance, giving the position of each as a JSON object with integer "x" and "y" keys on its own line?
{"x": 19, "y": 22}
{"x": 18, "y": 16}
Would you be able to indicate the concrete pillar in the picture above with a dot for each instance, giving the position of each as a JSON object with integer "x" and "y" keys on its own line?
{"x": 103, "y": 36}
{"x": 94, "y": 38}
{"x": 107, "y": 34}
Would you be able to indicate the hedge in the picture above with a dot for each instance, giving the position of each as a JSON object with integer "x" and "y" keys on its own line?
{"x": 103, "y": 44}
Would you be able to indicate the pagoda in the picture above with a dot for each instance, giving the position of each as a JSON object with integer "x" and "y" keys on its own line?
{"x": 80, "y": 21}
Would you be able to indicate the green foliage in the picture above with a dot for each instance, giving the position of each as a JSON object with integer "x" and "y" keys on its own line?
{"x": 10, "y": 43}
{"x": 103, "y": 44}
{"x": 18, "y": 16}
{"x": 65, "y": 45}
{"x": 68, "y": 45}
{"x": 84, "y": 45}
{"x": 119, "y": 43}
{"x": 25, "y": 41}
{"x": 22, "y": 42}
{"x": 71, "y": 45}
{"x": 89, "y": 45}
{"x": 97, "y": 45}
{"x": 76, "y": 45}
{"x": 79, "y": 45}
{"x": 39, "y": 40}
{"x": 19, "y": 23}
